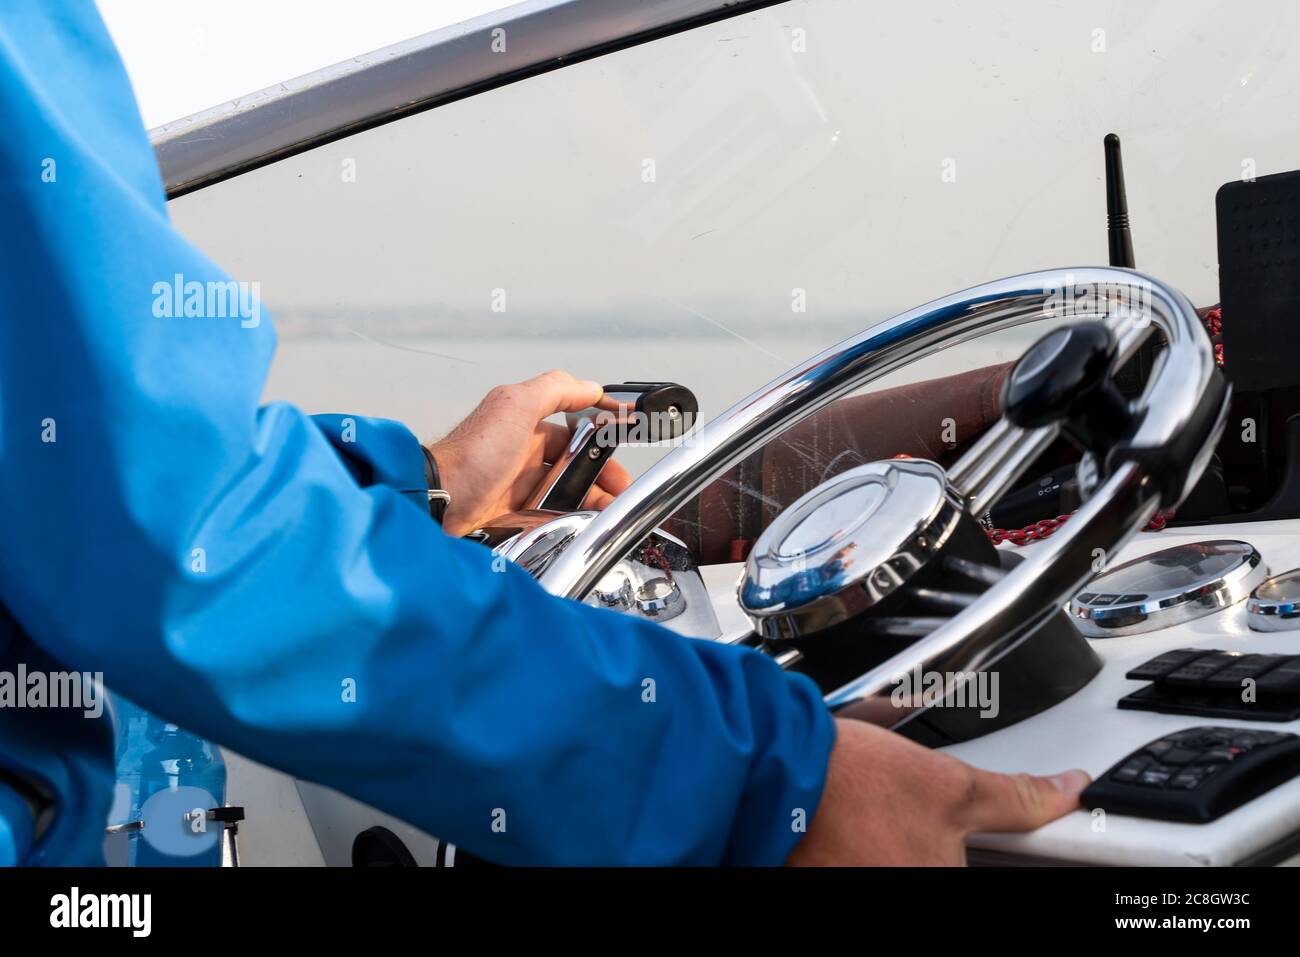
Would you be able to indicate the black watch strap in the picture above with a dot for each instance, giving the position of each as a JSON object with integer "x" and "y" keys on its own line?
{"x": 439, "y": 498}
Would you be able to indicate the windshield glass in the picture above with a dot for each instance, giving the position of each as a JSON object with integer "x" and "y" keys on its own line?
{"x": 713, "y": 207}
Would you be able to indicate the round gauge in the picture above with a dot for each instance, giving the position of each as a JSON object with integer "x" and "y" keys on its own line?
{"x": 1275, "y": 605}
{"x": 846, "y": 545}
{"x": 1166, "y": 588}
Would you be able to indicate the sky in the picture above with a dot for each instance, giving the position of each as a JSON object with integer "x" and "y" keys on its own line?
{"x": 187, "y": 55}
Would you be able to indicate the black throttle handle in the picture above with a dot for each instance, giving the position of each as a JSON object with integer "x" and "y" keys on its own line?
{"x": 627, "y": 413}
{"x": 1068, "y": 377}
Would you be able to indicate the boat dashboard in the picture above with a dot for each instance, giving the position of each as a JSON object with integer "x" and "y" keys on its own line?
{"x": 1104, "y": 639}
{"x": 1089, "y": 730}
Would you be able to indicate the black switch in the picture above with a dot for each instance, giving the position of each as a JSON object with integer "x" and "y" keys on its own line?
{"x": 1180, "y": 756}
{"x": 1283, "y": 679}
{"x": 1161, "y": 665}
{"x": 1186, "y": 780}
{"x": 1230, "y": 767}
{"x": 1130, "y": 769}
{"x": 1244, "y": 668}
{"x": 1156, "y": 777}
{"x": 1194, "y": 673}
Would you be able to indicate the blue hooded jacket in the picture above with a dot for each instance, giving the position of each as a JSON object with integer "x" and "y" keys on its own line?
{"x": 249, "y": 573}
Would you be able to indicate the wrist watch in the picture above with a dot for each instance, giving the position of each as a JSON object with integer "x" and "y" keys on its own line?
{"x": 439, "y": 498}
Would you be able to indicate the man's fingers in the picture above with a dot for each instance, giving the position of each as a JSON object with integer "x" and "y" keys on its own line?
{"x": 1019, "y": 802}
{"x": 597, "y": 499}
{"x": 555, "y": 439}
{"x": 557, "y": 391}
{"x": 614, "y": 478}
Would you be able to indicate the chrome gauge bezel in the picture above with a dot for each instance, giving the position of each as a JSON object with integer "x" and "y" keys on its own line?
{"x": 1099, "y": 612}
{"x": 854, "y": 560}
{"x": 1271, "y": 607}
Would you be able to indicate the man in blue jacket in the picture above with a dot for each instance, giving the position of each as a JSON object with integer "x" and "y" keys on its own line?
{"x": 265, "y": 580}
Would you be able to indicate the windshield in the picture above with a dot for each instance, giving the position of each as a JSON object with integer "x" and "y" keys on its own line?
{"x": 713, "y": 207}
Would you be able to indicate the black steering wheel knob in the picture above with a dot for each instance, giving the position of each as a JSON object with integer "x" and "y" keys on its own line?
{"x": 1067, "y": 377}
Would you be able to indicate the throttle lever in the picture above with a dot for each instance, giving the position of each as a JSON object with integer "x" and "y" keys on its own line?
{"x": 641, "y": 412}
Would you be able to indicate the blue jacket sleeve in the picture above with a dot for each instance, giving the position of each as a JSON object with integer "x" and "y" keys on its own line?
{"x": 378, "y": 452}
{"x": 224, "y": 567}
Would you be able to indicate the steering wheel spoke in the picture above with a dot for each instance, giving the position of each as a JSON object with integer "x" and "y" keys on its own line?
{"x": 997, "y": 459}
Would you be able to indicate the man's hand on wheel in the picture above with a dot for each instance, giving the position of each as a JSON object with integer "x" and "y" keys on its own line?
{"x": 891, "y": 801}
{"x": 492, "y": 460}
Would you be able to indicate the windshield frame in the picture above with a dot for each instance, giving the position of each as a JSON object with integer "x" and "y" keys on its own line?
{"x": 422, "y": 73}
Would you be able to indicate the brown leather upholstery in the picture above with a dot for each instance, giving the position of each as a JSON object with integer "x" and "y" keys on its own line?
{"x": 724, "y": 519}
{"x": 911, "y": 419}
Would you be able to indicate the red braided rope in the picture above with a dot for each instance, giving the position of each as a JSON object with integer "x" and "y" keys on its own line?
{"x": 1040, "y": 530}
{"x": 1214, "y": 326}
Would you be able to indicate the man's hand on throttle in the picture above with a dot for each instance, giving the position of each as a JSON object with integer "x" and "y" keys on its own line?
{"x": 497, "y": 455}
{"x": 891, "y": 801}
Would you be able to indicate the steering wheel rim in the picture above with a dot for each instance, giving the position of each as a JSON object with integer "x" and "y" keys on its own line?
{"x": 1176, "y": 422}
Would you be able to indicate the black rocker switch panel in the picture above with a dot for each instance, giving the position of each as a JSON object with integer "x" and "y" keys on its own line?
{"x": 1214, "y": 684}
{"x": 1196, "y": 775}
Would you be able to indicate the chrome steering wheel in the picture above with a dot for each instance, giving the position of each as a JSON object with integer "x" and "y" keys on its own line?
{"x": 1141, "y": 456}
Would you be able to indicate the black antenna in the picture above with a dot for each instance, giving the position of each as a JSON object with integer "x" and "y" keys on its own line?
{"x": 1118, "y": 236}
{"x": 1131, "y": 376}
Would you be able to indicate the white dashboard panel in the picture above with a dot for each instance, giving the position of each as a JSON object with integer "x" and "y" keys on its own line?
{"x": 1089, "y": 731}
